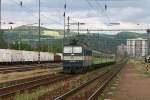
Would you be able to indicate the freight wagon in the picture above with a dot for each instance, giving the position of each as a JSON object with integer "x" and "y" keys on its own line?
{"x": 8, "y": 56}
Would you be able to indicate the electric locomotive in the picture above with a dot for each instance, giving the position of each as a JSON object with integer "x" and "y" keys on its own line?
{"x": 78, "y": 58}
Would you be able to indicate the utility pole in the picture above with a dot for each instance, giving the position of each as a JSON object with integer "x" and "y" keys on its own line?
{"x": 148, "y": 41}
{"x": 39, "y": 56}
{"x": 63, "y": 43}
{"x": 65, "y": 6}
{"x": 88, "y": 36}
{"x": 0, "y": 15}
{"x": 48, "y": 45}
{"x": 68, "y": 29}
{"x": 19, "y": 41}
{"x": 78, "y": 28}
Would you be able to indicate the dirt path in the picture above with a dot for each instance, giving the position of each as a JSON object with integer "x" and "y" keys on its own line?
{"x": 134, "y": 85}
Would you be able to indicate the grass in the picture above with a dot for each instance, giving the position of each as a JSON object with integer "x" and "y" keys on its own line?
{"x": 30, "y": 96}
{"x": 101, "y": 98}
{"x": 147, "y": 74}
{"x": 51, "y": 33}
{"x": 20, "y": 75}
{"x": 70, "y": 84}
{"x": 135, "y": 62}
{"x": 4, "y": 85}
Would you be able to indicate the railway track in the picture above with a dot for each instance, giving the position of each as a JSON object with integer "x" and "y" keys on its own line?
{"x": 21, "y": 68}
{"x": 92, "y": 89}
{"x": 31, "y": 83}
{"x": 15, "y": 82}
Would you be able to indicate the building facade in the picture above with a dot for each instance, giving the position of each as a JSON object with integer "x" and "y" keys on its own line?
{"x": 121, "y": 50}
{"x": 137, "y": 47}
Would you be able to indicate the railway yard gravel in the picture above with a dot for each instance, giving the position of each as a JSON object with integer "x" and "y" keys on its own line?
{"x": 27, "y": 74}
{"x": 134, "y": 84}
{"x": 66, "y": 86}
{"x": 51, "y": 91}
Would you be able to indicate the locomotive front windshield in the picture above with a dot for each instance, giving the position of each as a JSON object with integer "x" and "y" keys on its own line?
{"x": 77, "y": 50}
{"x": 67, "y": 49}
{"x": 72, "y": 49}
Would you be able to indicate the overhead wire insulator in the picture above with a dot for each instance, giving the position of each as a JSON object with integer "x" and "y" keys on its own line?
{"x": 65, "y": 6}
{"x": 105, "y": 7}
{"x": 21, "y": 3}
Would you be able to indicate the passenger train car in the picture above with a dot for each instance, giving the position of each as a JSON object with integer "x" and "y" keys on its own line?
{"x": 78, "y": 59}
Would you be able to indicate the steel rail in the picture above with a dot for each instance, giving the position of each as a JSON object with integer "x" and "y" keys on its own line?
{"x": 102, "y": 78}
{"x": 99, "y": 91}
{"x": 31, "y": 84}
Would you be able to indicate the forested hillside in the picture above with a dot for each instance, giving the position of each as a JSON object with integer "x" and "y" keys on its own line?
{"x": 26, "y": 38}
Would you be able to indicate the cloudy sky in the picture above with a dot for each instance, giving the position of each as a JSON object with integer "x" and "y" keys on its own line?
{"x": 129, "y": 13}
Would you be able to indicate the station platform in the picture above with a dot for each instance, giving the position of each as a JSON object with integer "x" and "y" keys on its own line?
{"x": 134, "y": 83}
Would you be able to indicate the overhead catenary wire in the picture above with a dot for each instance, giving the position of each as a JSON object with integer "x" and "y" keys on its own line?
{"x": 97, "y": 10}
{"x": 103, "y": 11}
{"x": 28, "y": 10}
{"x": 93, "y": 9}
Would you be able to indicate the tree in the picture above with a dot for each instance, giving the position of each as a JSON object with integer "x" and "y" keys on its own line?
{"x": 3, "y": 44}
{"x": 23, "y": 46}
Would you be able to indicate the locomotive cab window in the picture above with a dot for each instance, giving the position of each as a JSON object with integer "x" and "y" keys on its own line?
{"x": 77, "y": 50}
{"x": 67, "y": 49}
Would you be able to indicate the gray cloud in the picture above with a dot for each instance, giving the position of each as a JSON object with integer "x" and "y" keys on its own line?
{"x": 131, "y": 11}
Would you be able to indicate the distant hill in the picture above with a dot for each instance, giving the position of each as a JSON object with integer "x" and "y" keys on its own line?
{"x": 35, "y": 29}
{"x": 102, "y": 42}
{"x": 123, "y": 36}
{"x": 24, "y": 27}
{"x": 130, "y": 35}
{"x": 30, "y": 32}
{"x": 109, "y": 43}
